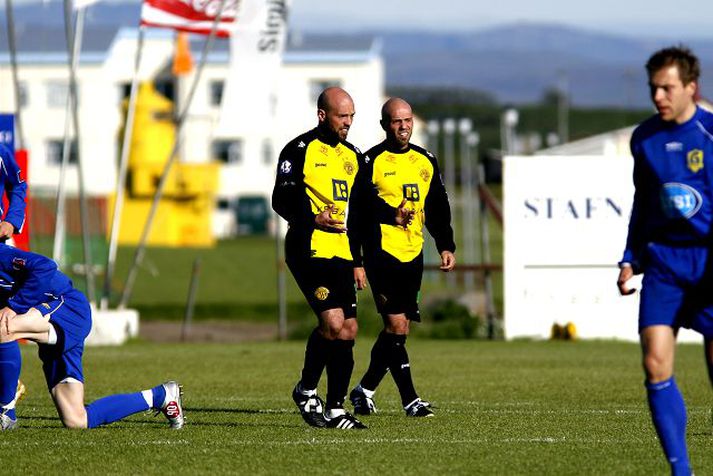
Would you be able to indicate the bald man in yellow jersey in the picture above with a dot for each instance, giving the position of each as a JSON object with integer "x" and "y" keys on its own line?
{"x": 405, "y": 194}
{"x": 316, "y": 173}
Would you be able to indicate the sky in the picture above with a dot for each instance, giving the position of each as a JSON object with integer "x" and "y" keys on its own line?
{"x": 640, "y": 18}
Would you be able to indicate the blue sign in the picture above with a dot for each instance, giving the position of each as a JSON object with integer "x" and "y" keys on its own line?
{"x": 7, "y": 131}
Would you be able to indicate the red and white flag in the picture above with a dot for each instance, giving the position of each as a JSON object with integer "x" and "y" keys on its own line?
{"x": 195, "y": 16}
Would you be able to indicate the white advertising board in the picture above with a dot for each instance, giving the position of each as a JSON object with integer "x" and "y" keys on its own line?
{"x": 565, "y": 222}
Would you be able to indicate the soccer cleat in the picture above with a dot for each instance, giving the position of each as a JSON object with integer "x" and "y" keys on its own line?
{"x": 311, "y": 407}
{"x": 363, "y": 405}
{"x": 7, "y": 423}
{"x": 418, "y": 408}
{"x": 171, "y": 406}
{"x": 345, "y": 421}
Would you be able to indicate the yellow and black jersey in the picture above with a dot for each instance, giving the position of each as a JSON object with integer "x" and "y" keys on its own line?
{"x": 313, "y": 172}
{"x": 395, "y": 175}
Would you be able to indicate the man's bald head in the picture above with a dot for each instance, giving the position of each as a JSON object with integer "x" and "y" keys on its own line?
{"x": 397, "y": 122}
{"x": 335, "y": 111}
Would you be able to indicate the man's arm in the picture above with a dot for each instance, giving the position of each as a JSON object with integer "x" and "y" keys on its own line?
{"x": 39, "y": 272}
{"x": 16, "y": 191}
{"x": 438, "y": 213}
{"x": 289, "y": 199}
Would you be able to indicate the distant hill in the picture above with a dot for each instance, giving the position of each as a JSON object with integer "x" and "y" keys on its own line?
{"x": 515, "y": 63}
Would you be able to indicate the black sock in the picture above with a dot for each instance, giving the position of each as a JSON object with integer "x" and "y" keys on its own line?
{"x": 400, "y": 368}
{"x": 378, "y": 365}
{"x": 315, "y": 360}
{"x": 340, "y": 364}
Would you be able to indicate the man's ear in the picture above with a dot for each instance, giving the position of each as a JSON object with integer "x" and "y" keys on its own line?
{"x": 321, "y": 115}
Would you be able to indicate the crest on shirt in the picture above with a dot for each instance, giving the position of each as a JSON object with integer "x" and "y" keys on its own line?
{"x": 349, "y": 167}
{"x": 45, "y": 305}
{"x": 425, "y": 175}
{"x": 285, "y": 167}
{"x": 18, "y": 263}
{"x": 694, "y": 160}
{"x": 321, "y": 293}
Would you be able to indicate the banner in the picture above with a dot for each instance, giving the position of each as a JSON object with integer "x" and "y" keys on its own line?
{"x": 194, "y": 16}
{"x": 256, "y": 48}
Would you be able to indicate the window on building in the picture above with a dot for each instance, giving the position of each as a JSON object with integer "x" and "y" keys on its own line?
{"x": 316, "y": 86}
{"x": 54, "y": 151}
{"x": 24, "y": 94}
{"x": 267, "y": 157}
{"x": 229, "y": 151}
{"x": 166, "y": 87}
{"x": 215, "y": 91}
{"x": 57, "y": 93}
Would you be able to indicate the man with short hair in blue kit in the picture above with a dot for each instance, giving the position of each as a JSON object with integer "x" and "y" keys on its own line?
{"x": 41, "y": 305}
{"x": 670, "y": 237}
{"x": 15, "y": 188}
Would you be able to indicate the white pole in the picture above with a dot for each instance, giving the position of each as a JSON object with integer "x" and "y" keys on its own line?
{"x": 449, "y": 129}
{"x": 465, "y": 126}
{"x": 10, "y": 20}
{"x": 121, "y": 174}
{"x": 141, "y": 248}
{"x": 74, "y": 42}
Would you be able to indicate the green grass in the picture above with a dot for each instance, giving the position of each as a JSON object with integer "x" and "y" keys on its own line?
{"x": 502, "y": 408}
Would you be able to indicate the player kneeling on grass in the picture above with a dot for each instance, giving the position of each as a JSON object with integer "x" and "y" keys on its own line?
{"x": 41, "y": 305}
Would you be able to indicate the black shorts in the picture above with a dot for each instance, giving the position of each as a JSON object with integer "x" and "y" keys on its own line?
{"x": 396, "y": 286}
{"x": 326, "y": 283}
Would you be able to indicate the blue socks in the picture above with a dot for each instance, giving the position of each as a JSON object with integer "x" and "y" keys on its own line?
{"x": 114, "y": 407}
{"x": 10, "y": 364}
{"x": 668, "y": 412}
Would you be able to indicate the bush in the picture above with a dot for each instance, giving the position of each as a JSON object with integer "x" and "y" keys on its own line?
{"x": 451, "y": 320}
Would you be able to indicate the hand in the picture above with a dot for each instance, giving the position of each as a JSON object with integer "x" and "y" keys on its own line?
{"x": 360, "y": 278}
{"x": 325, "y": 222}
{"x": 6, "y": 230}
{"x": 6, "y": 315}
{"x": 404, "y": 216}
{"x": 625, "y": 274}
{"x": 448, "y": 261}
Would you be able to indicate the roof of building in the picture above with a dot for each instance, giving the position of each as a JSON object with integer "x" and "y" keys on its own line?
{"x": 47, "y": 44}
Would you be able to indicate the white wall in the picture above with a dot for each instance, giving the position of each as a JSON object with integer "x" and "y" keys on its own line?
{"x": 565, "y": 227}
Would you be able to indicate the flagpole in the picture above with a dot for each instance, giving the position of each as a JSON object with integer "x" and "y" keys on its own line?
{"x": 141, "y": 248}
{"x": 10, "y": 20}
{"x": 74, "y": 41}
{"x": 121, "y": 177}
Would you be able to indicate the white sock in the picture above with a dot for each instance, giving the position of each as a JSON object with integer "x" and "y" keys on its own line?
{"x": 308, "y": 393}
{"x": 368, "y": 393}
{"x": 148, "y": 396}
{"x": 52, "y": 335}
{"x": 334, "y": 413}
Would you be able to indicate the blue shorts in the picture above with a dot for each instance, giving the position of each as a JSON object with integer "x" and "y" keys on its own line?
{"x": 677, "y": 289}
{"x": 71, "y": 317}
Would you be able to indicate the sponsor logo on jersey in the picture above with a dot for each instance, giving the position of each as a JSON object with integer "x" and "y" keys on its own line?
{"x": 285, "y": 167}
{"x": 320, "y": 164}
{"x": 349, "y": 167}
{"x": 679, "y": 200}
{"x": 674, "y": 147}
{"x": 340, "y": 190}
{"x": 18, "y": 263}
{"x": 411, "y": 192}
{"x": 390, "y": 174}
{"x": 694, "y": 160}
{"x": 390, "y": 158}
{"x": 301, "y": 145}
{"x": 321, "y": 293}
{"x": 425, "y": 175}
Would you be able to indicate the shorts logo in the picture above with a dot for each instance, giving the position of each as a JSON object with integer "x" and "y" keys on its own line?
{"x": 285, "y": 167}
{"x": 382, "y": 299}
{"x": 349, "y": 168}
{"x": 411, "y": 192}
{"x": 340, "y": 190}
{"x": 679, "y": 200}
{"x": 425, "y": 175}
{"x": 18, "y": 263}
{"x": 694, "y": 160}
{"x": 321, "y": 293}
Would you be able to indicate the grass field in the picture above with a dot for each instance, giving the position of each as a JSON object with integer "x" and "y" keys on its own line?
{"x": 502, "y": 408}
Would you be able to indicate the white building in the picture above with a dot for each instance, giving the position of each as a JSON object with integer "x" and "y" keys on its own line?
{"x": 105, "y": 70}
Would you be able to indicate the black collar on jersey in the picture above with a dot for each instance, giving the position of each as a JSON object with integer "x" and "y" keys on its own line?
{"x": 327, "y": 136}
{"x": 394, "y": 149}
